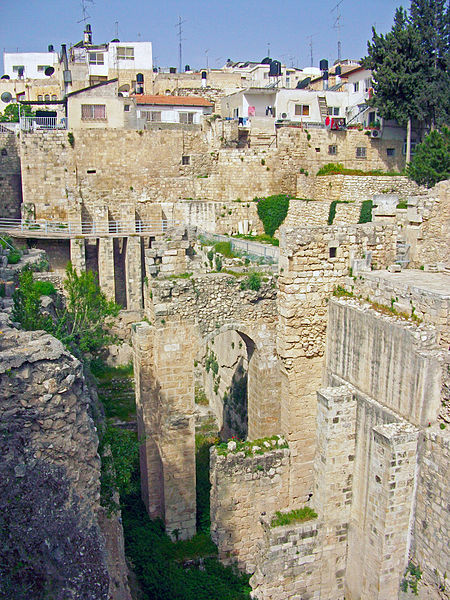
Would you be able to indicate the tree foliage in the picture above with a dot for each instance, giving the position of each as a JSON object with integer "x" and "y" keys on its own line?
{"x": 27, "y": 304}
{"x": 410, "y": 64}
{"x": 431, "y": 161}
{"x": 11, "y": 113}
{"x": 272, "y": 211}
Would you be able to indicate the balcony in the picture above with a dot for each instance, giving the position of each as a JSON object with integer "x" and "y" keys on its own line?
{"x": 31, "y": 124}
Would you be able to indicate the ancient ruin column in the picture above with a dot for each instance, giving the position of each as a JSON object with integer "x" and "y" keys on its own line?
{"x": 264, "y": 384}
{"x": 165, "y": 407}
{"x": 106, "y": 267}
{"x": 133, "y": 273}
{"x": 78, "y": 254}
{"x": 333, "y": 470}
{"x": 389, "y": 506}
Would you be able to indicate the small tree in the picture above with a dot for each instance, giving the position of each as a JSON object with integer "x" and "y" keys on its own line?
{"x": 81, "y": 323}
{"x": 431, "y": 161}
{"x": 27, "y": 305}
{"x": 11, "y": 113}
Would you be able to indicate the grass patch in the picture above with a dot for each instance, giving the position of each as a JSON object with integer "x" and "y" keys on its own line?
{"x": 254, "y": 447}
{"x": 44, "y": 288}
{"x": 299, "y": 515}
{"x": 200, "y": 396}
{"x": 252, "y": 282}
{"x": 339, "y": 169}
{"x": 180, "y": 276}
{"x": 402, "y": 205}
{"x": 263, "y": 239}
{"x": 341, "y": 292}
{"x": 224, "y": 248}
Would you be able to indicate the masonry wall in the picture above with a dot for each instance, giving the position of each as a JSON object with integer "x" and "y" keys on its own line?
{"x": 10, "y": 177}
{"x": 355, "y": 187}
{"x": 431, "y": 524}
{"x": 243, "y": 489}
{"x": 307, "y": 277}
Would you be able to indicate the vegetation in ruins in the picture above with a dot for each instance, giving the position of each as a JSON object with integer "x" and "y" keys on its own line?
{"x": 365, "y": 216}
{"x": 413, "y": 575}
{"x": 11, "y": 113}
{"x": 115, "y": 389}
{"x": 431, "y": 161}
{"x": 272, "y": 211}
{"x": 339, "y": 169}
{"x": 27, "y": 305}
{"x": 298, "y": 515}
{"x": 262, "y": 239}
{"x": 253, "y": 447}
{"x": 252, "y": 282}
{"x": 14, "y": 253}
{"x": 332, "y": 211}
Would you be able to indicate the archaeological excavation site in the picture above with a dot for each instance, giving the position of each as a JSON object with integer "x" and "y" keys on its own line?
{"x": 224, "y": 365}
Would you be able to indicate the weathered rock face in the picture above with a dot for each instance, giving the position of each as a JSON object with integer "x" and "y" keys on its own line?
{"x": 49, "y": 474}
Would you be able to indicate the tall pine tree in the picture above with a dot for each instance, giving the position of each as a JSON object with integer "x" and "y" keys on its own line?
{"x": 398, "y": 63}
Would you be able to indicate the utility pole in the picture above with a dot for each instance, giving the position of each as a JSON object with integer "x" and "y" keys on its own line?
{"x": 180, "y": 40}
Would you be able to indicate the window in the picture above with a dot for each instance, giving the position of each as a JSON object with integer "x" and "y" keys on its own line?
{"x": 332, "y": 252}
{"x": 361, "y": 152}
{"x": 40, "y": 97}
{"x": 93, "y": 112}
{"x": 367, "y": 84}
{"x": 333, "y": 111}
{"x": 185, "y": 160}
{"x": 96, "y": 58}
{"x": 19, "y": 69}
{"x": 390, "y": 151}
{"x": 54, "y": 98}
{"x": 332, "y": 150}
{"x": 42, "y": 68}
{"x": 47, "y": 97}
{"x": 317, "y": 149}
{"x": 125, "y": 53}
{"x": 302, "y": 110}
{"x": 356, "y": 86}
{"x": 187, "y": 118}
{"x": 154, "y": 116}
{"x": 4, "y": 152}
{"x": 126, "y": 107}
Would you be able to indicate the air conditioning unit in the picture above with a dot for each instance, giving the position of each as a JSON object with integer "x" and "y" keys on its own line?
{"x": 375, "y": 133}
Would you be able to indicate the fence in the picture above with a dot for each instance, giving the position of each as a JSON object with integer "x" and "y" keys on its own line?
{"x": 271, "y": 253}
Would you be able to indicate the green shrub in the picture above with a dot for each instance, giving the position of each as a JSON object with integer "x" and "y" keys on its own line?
{"x": 224, "y": 248}
{"x": 27, "y": 305}
{"x": 431, "y": 161}
{"x": 272, "y": 211}
{"x": 14, "y": 256}
{"x": 45, "y": 288}
{"x": 365, "y": 216}
{"x": 252, "y": 282}
{"x": 71, "y": 139}
{"x": 218, "y": 262}
{"x": 339, "y": 169}
{"x": 299, "y": 515}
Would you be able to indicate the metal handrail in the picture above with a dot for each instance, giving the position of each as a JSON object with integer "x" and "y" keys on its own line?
{"x": 67, "y": 229}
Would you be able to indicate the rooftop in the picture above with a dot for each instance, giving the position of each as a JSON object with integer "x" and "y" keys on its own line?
{"x": 173, "y": 100}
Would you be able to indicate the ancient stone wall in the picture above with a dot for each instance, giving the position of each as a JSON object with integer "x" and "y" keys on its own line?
{"x": 244, "y": 488}
{"x": 312, "y": 262}
{"x": 431, "y": 524}
{"x": 353, "y": 188}
{"x": 10, "y": 177}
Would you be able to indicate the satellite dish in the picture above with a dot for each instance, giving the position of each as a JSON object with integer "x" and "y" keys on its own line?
{"x": 49, "y": 71}
{"x": 266, "y": 61}
{"x": 5, "y": 77}
{"x": 6, "y": 97}
{"x": 301, "y": 85}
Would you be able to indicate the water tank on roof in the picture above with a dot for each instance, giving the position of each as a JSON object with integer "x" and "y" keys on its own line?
{"x": 204, "y": 74}
{"x": 275, "y": 68}
{"x": 338, "y": 70}
{"x": 51, "y": 48}
{"x": 266, "y": 61}
{"x": 139, "y": 78}
{"x": 172, "y": 70}
{"x": 187, "y": 68}
{"x": 323, "y": 65}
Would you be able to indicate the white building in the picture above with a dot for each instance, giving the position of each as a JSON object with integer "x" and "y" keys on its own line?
{"x": 186, "y": 110}
{"x": 29, "y": 65}
{"x": 257, "y": 74}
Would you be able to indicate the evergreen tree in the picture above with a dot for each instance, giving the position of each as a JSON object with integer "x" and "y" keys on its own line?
{"x": 431, "y": 161}
{"x": 432, "y": 20}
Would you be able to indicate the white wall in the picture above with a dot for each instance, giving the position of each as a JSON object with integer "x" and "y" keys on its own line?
{"x": 30, "y": 60}
{"x": 143, "y": 58}
{"x": 172, "y": 115}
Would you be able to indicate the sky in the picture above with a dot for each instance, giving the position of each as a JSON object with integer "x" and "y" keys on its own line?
{"x": 212, "y": 31}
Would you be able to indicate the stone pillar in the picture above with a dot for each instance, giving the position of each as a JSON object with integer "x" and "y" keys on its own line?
{"x": 333, "y": 470}
{"x": 133, "y": 273}
{"x": 78, "y": 254}
{"x": 389, "y": 506}
{"x": 263, "y": 389}
{"x": 165, "y": 409}
{"x": 106, "y": 267}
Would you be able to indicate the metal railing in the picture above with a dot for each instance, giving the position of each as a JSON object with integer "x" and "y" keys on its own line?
{"x": 59, "y": 229}
{"x": 245, "y": 246}
{"x": 42, "y": 123}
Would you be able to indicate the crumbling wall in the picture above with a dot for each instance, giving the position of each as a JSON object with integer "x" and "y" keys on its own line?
{"x": 243, "y": 489}
{"x": 50, "y": 471}
{"x": 10, "y": 177}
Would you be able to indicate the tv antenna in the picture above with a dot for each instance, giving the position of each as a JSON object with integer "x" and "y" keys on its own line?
{"x": 268, "y": 49}
{"x": 116, "y": 29}
{"x": 180, "y": 40}
{"x": 84, "y": 11}
{"x": 207, "y": 60}
{"x": 337, "y": 25}
{"x": 311, "y": 54}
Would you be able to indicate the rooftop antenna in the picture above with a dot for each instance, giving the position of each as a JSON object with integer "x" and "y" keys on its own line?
{"x": 180, "y": 39}
{"x": 268, "y": 49}
{"x": 207, "y": 61}
{"x": 311, "y": 54}
{"x": 84, "y": 11}
{"x": 116, "y": 29}
{"x": 337, "y": 25}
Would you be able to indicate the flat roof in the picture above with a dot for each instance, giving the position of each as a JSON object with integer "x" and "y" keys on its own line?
{"x": 172, "y": 100}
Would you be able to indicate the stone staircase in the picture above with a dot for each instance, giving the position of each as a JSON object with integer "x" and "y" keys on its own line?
{"x": 402, "y": 256}
{"x": 323, "y": 107}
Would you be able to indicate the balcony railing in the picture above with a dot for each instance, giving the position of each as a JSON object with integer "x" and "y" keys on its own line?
{"x": 31, "y": 124}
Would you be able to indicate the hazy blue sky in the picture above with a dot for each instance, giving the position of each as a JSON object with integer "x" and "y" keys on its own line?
{"x": 236, "y": 30}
